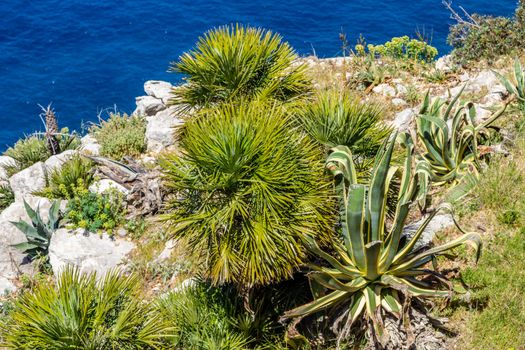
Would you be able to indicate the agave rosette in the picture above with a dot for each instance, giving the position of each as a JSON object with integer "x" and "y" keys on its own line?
{"x": 376, "y": 263}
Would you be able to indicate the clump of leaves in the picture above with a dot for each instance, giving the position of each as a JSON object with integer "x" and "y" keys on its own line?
{"x": 80, "y": 312}
{"x": 516, "y": 86}
{"x": 61, "y": 182}
{"x": 233, "y": 62}
{"x": 39, "y": 232}
{"x": 249, "y": 186}
{"x": 120, "y": 135}
{"x": 338, "y": 118}
{"x": 34, "y": 149}
{"x": 449, "y": 137}
{"x": 7, "y": 197}
{"x": 374, "y": 267}
{"x": 93, "y": 211}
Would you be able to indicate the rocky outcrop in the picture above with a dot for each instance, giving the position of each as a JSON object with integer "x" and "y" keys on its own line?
{"x": 160, "y": 129}
{"x": 158, "y": 89}
{"x": 4, "y": 162}
{"x": 28, "y": 181}
{"x": 105, "y": 185}
{"x": 89, "y": 252}
{"x": 89, "y": 145}
{"x": 55, "y": 162}
{"x": 404, "y": 119}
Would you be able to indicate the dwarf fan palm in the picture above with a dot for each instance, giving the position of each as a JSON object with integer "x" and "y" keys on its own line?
{"x": 231, "y": 62}
{"x": 249, "y": 186}
{"x": 374, "y": 265}
{"x": 81, "y": 313}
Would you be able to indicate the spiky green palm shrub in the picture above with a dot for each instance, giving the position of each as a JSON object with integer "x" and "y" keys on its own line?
{"x": 81, "y": 313}
{"x": 375, "y": 265}
{"x": 449, "y": 137}
{"x": 232, "y": 62}
{"x": 338, "y": 118}
{"x": 249, "y": 187}
{"x": 517, "y": 86}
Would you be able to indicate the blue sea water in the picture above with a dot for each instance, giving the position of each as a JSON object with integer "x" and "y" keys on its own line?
{"x": 89, "y": 56}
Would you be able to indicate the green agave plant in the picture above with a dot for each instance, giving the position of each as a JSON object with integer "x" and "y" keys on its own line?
{"x": 38, "y": 233}
{"x": 375, "y": 264}
{"x": 449, "y": 139}
{"x": 248, "y": 187}
{"x": 516, "y": 87}
{"x": 83, "y": 313}
{"x": 232, "y": 62}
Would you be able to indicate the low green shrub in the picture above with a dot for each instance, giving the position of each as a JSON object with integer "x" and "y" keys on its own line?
{"x": 80, "y": 312}
{"x": 233, "y": 62}
{"x": 33, "y": 149}
{"x": 120, "y": 135}
{"x": 61, "y": 182}
{"x": 487, "y": 37}
{"x": 92, "y": 211}
{"x": 7, "y": 197}
{"x": 400, "y": 48}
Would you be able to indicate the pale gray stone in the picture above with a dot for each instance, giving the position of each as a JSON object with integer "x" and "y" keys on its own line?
{"x": 398, "y": 102}
{"x": 440, "y": 222}
{"x": 55, "y": 162}
{"x": 404, "y": 119}
{"x": 89, "y": 145}
{"x": 89, "y": 252}
{"x": 160, "y": 129}
{"x": 169, "y": 246}
{"x": 385, "y": 90}
{"x": 148, "y": 106}
{"x": 4, "y": 162}
{"x": 28, "y": 181}
{"x": 6, "y": 286}
{"x": 104, "y": 185}
{"x": 445, "y": 63}
{"x": 158, "y": 89}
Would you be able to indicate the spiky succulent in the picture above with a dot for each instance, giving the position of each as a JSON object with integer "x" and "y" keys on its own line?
{"x": 39, "y": 232}
{"x": 52, "y": 130}
{"x": 516, "y": 86}
{"x": 449, "y": 137}
{"x": 375, "y": 264}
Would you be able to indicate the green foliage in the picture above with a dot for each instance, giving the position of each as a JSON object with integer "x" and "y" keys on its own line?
{"x": 339, "y": 118}
{"x": 487, "y": 37}
{"x": 62, "y": 181}
{"x": 402, "y": 48}
{"x": 33, "y": 149}
{"x": 92, "y": 211}
{"x": 7, "y": 197}
{"x": 120, "y": 135}
{"x": 374, "y": 265}
{"x": 38, "y": 233}
{"x": 249, "y": 186}
{"x": 516, "y": 87}
{"x": 81, "y": 313}
{"x": 205, "y": 318}
{"x": 233, "y": 62}
{"x": 449, "y": 139}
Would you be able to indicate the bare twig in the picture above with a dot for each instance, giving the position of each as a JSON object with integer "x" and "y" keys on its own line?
{"x": 469, "y": 21}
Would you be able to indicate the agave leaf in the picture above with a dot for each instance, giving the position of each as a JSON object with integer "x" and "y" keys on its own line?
{"x": 317, "y": 305}
{"x": 334, "y": 284}
{"x": 33, "y": 215}
{"x": 25, "y": 246}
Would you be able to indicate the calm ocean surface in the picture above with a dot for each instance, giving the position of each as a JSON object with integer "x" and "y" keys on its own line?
{"x": 88, "y": 56}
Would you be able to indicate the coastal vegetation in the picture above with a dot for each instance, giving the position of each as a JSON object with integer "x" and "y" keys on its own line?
{"x": 294, "y": 203}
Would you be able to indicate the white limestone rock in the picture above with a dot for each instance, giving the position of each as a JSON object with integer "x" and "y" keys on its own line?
{"x": 399, "y": 102}
{"x": 438, "y": 223}
{"x": 385, "y": 90}
{"x": 28, "y": 181}
{"x": 89, "y": 252}
{"x": 89, "y": 145}
{"x": 55, "y": 162}
{"x": 160, "y": 129}
{"x": 445, "y": 63}
{"x": 148, "y": 106}
{"x": 104, "y": 185}
{"x": 6, "y": 286}
{"x": 158, "y": 89}
{"x": 169, "y": 246}
{"x": 404, "y": 119}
